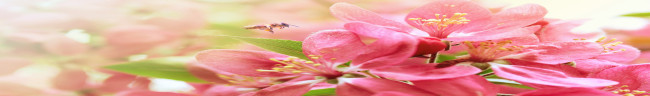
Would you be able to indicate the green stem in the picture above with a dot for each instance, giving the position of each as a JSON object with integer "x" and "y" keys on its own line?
{"x": 370, "y": 74}
{"x": 432, "y": 58}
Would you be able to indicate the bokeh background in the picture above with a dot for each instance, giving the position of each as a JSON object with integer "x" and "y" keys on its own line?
{"x": 58, "y": 47}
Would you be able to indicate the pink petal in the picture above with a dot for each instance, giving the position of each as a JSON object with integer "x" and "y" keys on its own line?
{"x": 630, "y": 53}
{"x": 510, "y": 90}
{"x": 643, "y": 58}
{"x": 477, "y": 14}
{"x": 137, "y": 35}
{"x": 425, "y": 72}
{"x": 349, "y": 12}
{"x": 285, "y": 89}
{"x": 62, "y": 45}
{"x": 16, "y": 89}
{"x": 370, "y": 86}
{"x": 240, "y": 61}
{"x": 636, "y": 77}
{"x": 575, "y": 91}
{"x": 71, "y": 80}
{"x": 200, "y": 88}
{"x": 566, "y": 69}
{"x": 201, "y": 71}
{"x": 471, "y": 85}
{"x": 493, "y": 34}
{"x": 562, "y": 52}
{"x": 117, "y": 83}
{"x": 517, "y": 17}
{"x": 544, "y": 78}
{"x": 221, "y": 90}
{"x": 389, "y": 50}
{"x": 11, "y": 64}
{"x": 367, "y": 29}
{"x": 391, "y": 93}
{"x": 341, "y": 45}
{"x": 149, "y": 93}
{"x": 562, "y": 31}
{"x": 594, "y": 65}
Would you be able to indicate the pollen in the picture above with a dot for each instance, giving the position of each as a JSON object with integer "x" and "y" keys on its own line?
{"x": 241, "y": 80}
{"x": 489, "y": 50}
{"x": 607, "y": 44}
{"x": 625, "y": 91}
{"x": 441, "y": 22}
{"x": 293, "y": 65}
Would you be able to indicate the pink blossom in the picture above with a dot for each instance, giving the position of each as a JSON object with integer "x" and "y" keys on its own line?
{"x": 326, "y": 50}
{"x": 71, "y": 80}
{"x": 455, "y": 20}
{"x": 633, "y": 79}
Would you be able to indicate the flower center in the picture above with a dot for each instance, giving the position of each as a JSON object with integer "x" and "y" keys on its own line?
{"x": 295, "y": 65}
{"x": 440, "y": 24}
{"x": 489, "y": 50}
{"x": 609, "y": 43}
{"x": 625, "y": 91}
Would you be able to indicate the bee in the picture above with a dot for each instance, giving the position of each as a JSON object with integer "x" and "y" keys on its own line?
{"x": 269, "y": 27}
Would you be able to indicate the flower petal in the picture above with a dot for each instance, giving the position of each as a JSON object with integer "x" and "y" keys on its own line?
{"x": 221, "y": 90}
{"x": 371, "y": 86}
{"x": 517, "y": 17}
{"x": 240, "y": 61}
{"x": 471, "y": 85}
{"x": 594, "y": 65}
{"x": 636, "y": 77}
{"x": 388, "y": 50}
{"x": 16, "y": 89}
{"x": 341, "y": 45}
{"x": 349, "y": 12}
{"x": 494, "y": 34}
{"x": 391, "y": 93}
{"x": 121, "y": 82}
{"x": 563, "y": 31}
{"x": 622, "y": 54}
{"x": 286, "y": 89}
{"x": 564, "y": 68}
{"x": 149, "y": 93}
{"x": 544, "y": 78}
{"x": 202, "y": 72}
{"x": 71, "y": 80}
{"x": 574, "y": 91}
{"x": 367, "y": 29}
{"x": 477, "y": 14}
{"x": 562, "y": 52}
{"x": 425, "y": 72}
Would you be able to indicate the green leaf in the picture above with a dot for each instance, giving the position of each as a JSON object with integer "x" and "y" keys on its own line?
{"x": 442, "y": 58}
{"x": 485, "y": 72}
{"x": 321, "y": 92}
{"x": 167, "y": 67}
{"x": 286, "y": 47}
{"x": 498, "y": 80}
{"x": 642, "y": 14}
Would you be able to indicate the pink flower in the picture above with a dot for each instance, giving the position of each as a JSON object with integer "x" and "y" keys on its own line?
{"x": 71, "y": 80}
{"x": 491, "y": 54}
{"x": 454, "y": 20}
{"x": 633, "y": 79}
{"x": 326, "y": 51}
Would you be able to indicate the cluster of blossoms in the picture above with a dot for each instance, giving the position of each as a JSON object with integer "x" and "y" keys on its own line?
{"x": 76, "y": 42}
{"x": 375, "y": 56}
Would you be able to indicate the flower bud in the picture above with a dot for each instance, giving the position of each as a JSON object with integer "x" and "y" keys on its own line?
{"x": 429, "y": 45}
